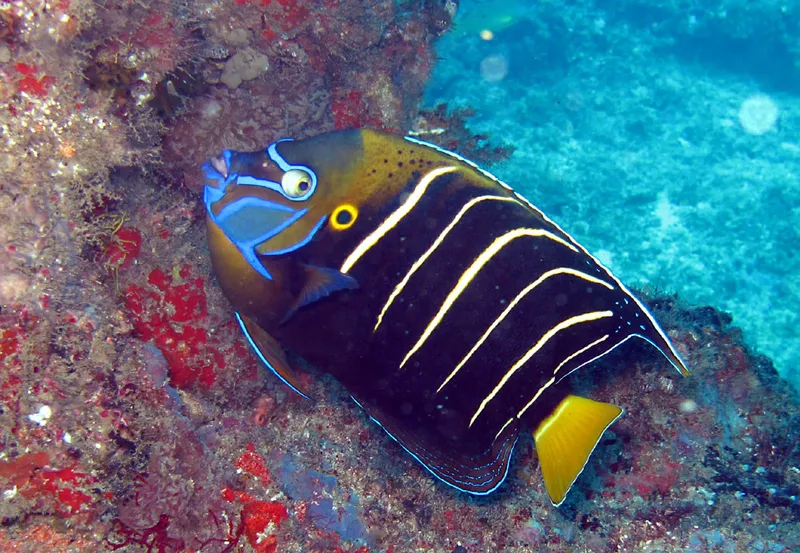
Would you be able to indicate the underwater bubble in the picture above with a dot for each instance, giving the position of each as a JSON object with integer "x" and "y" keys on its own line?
{"x": 758, "y": 114}
{"x": 494, "y": 68}
{"x": 688, "y": 406}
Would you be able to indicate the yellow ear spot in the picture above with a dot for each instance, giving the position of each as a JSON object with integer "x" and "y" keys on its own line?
{"x": 343, "y": 217}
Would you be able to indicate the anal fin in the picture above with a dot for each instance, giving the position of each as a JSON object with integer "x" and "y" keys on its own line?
{"x": 270, "y": 352}
{"x": 566, "y": 439}
{"x": 477, "y": 472}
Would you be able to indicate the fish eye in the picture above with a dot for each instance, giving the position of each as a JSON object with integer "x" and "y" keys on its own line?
{"x": 296, "y": 183}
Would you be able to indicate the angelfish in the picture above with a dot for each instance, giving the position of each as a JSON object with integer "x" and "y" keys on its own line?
{"x": 450, "y": 307}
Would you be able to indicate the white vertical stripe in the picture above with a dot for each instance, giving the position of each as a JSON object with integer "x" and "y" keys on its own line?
{"x": 514, "y": 302}
{"x": 673, "y": 356}
{"x": 578, "y": 319}
{"x": 558, "y": 368}
{"x": 536, "y": 396}
{"x": 509, "y": 421}
{"x": 424, "y": 257}
{"x": 472, "y": 271}
{"x": 395, "y": 217}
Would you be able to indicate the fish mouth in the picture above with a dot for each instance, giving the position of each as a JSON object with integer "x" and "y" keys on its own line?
{"x": 219, "y": 164}
{"x": 217, "y": 173}
{"x": 217, "y": 170}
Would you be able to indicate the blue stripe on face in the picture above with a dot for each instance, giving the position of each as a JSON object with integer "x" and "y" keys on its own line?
{"x": 248, "y": 180}
{"x": 227, "y": 155}
{"x": 211, "y": 195}
{"x": 251, "y": 220}
{"x": 300, "y": 244}
{"x": 211, "y": 173}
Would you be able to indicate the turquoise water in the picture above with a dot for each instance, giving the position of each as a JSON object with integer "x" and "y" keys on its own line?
{"x": 663, "y": 135}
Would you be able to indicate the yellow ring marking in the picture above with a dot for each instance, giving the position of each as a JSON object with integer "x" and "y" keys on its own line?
{"x": 344, "y": 208}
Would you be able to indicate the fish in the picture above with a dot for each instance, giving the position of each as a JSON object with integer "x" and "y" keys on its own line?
{"x": 492, "y": 16}
{"x": 448, "y": 305}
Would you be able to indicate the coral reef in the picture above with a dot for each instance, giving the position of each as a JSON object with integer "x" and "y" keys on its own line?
{"x": 450, "y": 131}
{"x": 133, "y": 418}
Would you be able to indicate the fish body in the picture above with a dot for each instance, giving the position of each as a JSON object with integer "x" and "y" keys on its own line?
{"x": 449, "y": 306}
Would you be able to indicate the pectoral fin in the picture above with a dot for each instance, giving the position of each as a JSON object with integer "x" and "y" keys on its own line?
{"x": 566, "y": 439}
{"x": 270, "y": 352}
{"x": 319, "y": 283}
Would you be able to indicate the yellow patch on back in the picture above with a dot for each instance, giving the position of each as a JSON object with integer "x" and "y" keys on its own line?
{"x": 566, "y": 439}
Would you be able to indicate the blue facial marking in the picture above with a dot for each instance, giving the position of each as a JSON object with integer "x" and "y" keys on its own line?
{"x": 211, "y": 173}
{"x": 250, "y": 221}
{"x": 247, "y": 180}
{"x": 211, "y": 195}
{"x": 227, "y": 155}
{"x": 303, "y": 242}
{"x": 245, "y": 220}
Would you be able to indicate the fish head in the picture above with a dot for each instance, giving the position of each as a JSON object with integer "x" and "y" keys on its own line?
{"x": 265, "y": 209}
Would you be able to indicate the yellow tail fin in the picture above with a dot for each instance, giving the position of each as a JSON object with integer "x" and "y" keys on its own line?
{"x": 566, "y": 439}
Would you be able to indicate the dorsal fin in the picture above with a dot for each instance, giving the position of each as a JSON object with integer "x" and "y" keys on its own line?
{"x": 270, "y": 352}
{"x": 566, "y": 439}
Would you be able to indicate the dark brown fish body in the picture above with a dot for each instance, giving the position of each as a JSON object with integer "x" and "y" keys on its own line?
{"x": 449, "y": 307}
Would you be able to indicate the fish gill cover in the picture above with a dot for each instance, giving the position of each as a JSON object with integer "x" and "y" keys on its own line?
{"x": 132, "y": 415}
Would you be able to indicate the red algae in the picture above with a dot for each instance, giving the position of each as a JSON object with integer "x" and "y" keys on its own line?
{"x": 123, "y": 249}
{"x": 162, "y": 312}
{"x": 253, "y": 463}
{"x": 259, "y": 519}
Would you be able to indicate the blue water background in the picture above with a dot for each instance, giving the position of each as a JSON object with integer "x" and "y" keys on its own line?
{"x": 665, "y": 136}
